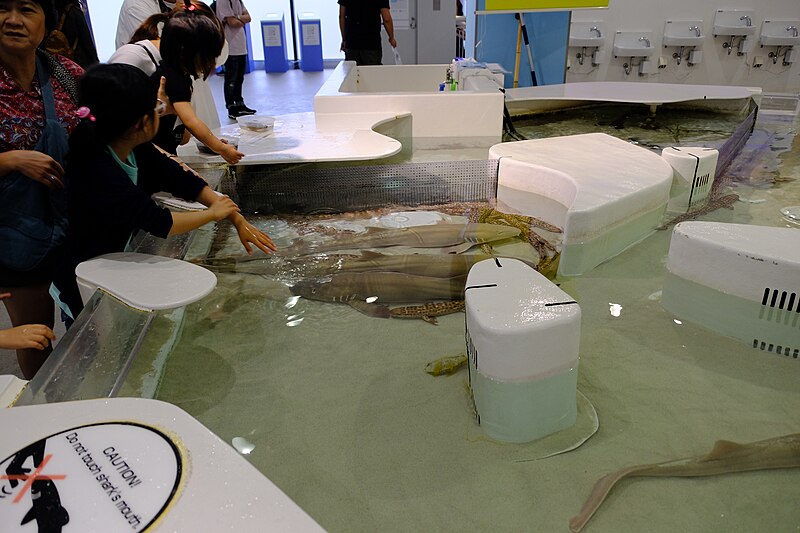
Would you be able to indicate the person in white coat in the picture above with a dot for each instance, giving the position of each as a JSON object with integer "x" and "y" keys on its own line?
{"x": 133, "y": 13}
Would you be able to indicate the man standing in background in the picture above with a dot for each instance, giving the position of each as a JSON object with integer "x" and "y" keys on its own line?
{"x": 133, "y": 13}
{"x": 234, "y": 16}
{"x": 360, "y": 24}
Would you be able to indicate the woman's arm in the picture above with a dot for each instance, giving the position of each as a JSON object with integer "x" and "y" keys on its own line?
{"x": 342, "y": 13}
{"x": 388, "y": 23}
{"x": 36, "y": 165}
{"x": 221, "y": 208}
{"x": 248, "y": 233}
{"x": 198, "y": 128}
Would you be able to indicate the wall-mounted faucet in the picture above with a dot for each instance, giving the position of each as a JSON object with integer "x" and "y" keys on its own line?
{"x": 746, "y": 18}
{"x": 596, "y": 30}
{"x": 646, "y": 41}
{"x": 792, "y": 28}
{"x": 695, "y": 29}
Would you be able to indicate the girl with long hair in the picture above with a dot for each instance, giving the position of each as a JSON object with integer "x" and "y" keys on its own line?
{"x": 113, "y": 169}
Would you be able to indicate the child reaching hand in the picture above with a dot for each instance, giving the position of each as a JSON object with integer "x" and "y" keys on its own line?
{"x": 112, "y": 171}
{"x": 26, "y": 337}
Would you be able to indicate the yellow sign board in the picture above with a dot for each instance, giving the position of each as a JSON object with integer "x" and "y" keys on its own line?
{"x": 529, "y": 5}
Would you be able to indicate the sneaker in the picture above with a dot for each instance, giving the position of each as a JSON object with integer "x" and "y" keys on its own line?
{"x": 235, "y": 111}
{"x": 246, "y": 110}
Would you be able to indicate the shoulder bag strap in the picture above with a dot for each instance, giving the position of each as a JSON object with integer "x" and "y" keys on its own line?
{"x": 149, "y": 53}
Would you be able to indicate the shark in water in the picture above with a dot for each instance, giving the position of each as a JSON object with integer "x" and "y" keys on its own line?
{"x": 454, "y": 238}
{"x": 726, "y": 457}
{"x": 369, "y": 292}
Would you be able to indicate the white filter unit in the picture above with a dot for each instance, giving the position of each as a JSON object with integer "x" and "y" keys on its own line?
{"x": 740, "y": 280}
{"x": 693, "y": 172}
{"x": 523, "y": 335}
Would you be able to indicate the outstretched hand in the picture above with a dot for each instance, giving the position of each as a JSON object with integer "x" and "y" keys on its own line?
{"x": 249, "y": 234}
{"x": 230, "y": 154}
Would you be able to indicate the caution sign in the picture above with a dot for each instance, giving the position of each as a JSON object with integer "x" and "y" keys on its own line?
{"x": 108, "y": 477}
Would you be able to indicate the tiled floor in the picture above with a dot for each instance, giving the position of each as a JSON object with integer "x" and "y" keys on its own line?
{"x": 274, "y": 93}
{"x": 270, "y": 94}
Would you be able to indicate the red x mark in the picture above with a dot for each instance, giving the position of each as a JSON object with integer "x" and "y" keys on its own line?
{"x": 30, "y": 478}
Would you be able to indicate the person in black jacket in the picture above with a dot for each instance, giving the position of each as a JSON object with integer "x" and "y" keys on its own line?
{"x": 112, "y": 171}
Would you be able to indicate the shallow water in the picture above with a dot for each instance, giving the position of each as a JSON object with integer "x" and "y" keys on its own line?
{"x": 341, "y": 415}
{"x": 666, "y": 127}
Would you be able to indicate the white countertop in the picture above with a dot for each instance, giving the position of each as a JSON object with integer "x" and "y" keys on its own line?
{"x": 304, "y": 137}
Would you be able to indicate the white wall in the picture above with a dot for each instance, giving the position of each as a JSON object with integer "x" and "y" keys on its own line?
{"x": 104, "y": 15}
{"x": 716, "y": 68}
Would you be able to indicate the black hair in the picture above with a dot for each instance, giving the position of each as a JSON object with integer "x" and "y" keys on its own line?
{"x": 50, "y": 15}
{"x": 117, "y": 96}
{"x": 191, "y": 41}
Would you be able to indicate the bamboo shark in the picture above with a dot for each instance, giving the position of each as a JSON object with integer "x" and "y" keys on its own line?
{"x": 433, "y": 265}
{"x": 726, "y": 457}
{"x": 368, "y": 291}
{"x": 455, "y": 238}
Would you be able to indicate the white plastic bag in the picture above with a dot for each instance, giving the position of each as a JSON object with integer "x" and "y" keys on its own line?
{"x": 397, "y": 60}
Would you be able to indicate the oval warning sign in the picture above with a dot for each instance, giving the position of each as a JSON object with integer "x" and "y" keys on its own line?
{"x": 108, "y": 477}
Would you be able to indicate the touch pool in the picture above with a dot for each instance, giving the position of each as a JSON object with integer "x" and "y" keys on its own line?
{"x": 338, "y": 412}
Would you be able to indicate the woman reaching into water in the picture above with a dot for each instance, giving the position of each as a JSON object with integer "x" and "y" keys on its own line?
{"x": 190, "y": 43}
{"x": 113, "y": 169}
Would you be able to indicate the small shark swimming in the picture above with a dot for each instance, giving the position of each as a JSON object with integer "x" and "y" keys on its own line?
{"x": 432, "y": 265}
{"x": 454, "y": 238}
{"x": 368, "y": 292}
{"x": 726, "y": 457}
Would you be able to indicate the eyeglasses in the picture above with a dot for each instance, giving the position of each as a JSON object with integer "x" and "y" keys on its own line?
{"x": 161, "y": 107}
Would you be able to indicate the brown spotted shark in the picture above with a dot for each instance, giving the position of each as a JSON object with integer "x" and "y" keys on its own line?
{"x": 368, "y": 292}
{"x": 726, "y": 457}
{"x": 453, "y": 238}
{"x": 429, "y": 311}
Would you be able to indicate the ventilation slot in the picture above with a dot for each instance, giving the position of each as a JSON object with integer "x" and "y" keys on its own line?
{"x": 781, "y": 299}
{"x": 700, "y": 187}
{"x": 786, "y": 351}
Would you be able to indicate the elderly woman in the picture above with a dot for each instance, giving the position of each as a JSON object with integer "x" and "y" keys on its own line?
{"x": 37, "y": 112}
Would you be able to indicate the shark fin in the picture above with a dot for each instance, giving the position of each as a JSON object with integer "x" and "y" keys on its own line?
{"x": 30, "y": 515}
{"x": 431, "y": 320}
{"x": 373, "y": 310}
{"x": 458, "y": 248}
{"x": 369, "y": 254}
{"x": 722, "y": 448}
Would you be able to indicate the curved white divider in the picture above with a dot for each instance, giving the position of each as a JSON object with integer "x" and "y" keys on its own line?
{"x": 611, "y": 193}
{"x": 143, "y": 281}
{"x": 550, "y": 97}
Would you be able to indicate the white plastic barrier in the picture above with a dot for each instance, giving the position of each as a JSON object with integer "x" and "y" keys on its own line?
{"x": 523, "y": 335}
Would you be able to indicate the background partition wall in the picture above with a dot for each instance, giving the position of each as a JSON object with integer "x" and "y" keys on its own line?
{"x": 105, "y": 13}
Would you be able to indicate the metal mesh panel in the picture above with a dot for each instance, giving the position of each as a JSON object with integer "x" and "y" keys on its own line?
{"x": 300, "y": 189}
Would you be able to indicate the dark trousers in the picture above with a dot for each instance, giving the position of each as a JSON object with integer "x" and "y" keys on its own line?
{"x": 234, "y": 79}
{"x": 363, "y": 57}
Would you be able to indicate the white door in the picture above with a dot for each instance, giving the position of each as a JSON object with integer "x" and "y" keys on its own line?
{"x": 404, "y": 16}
